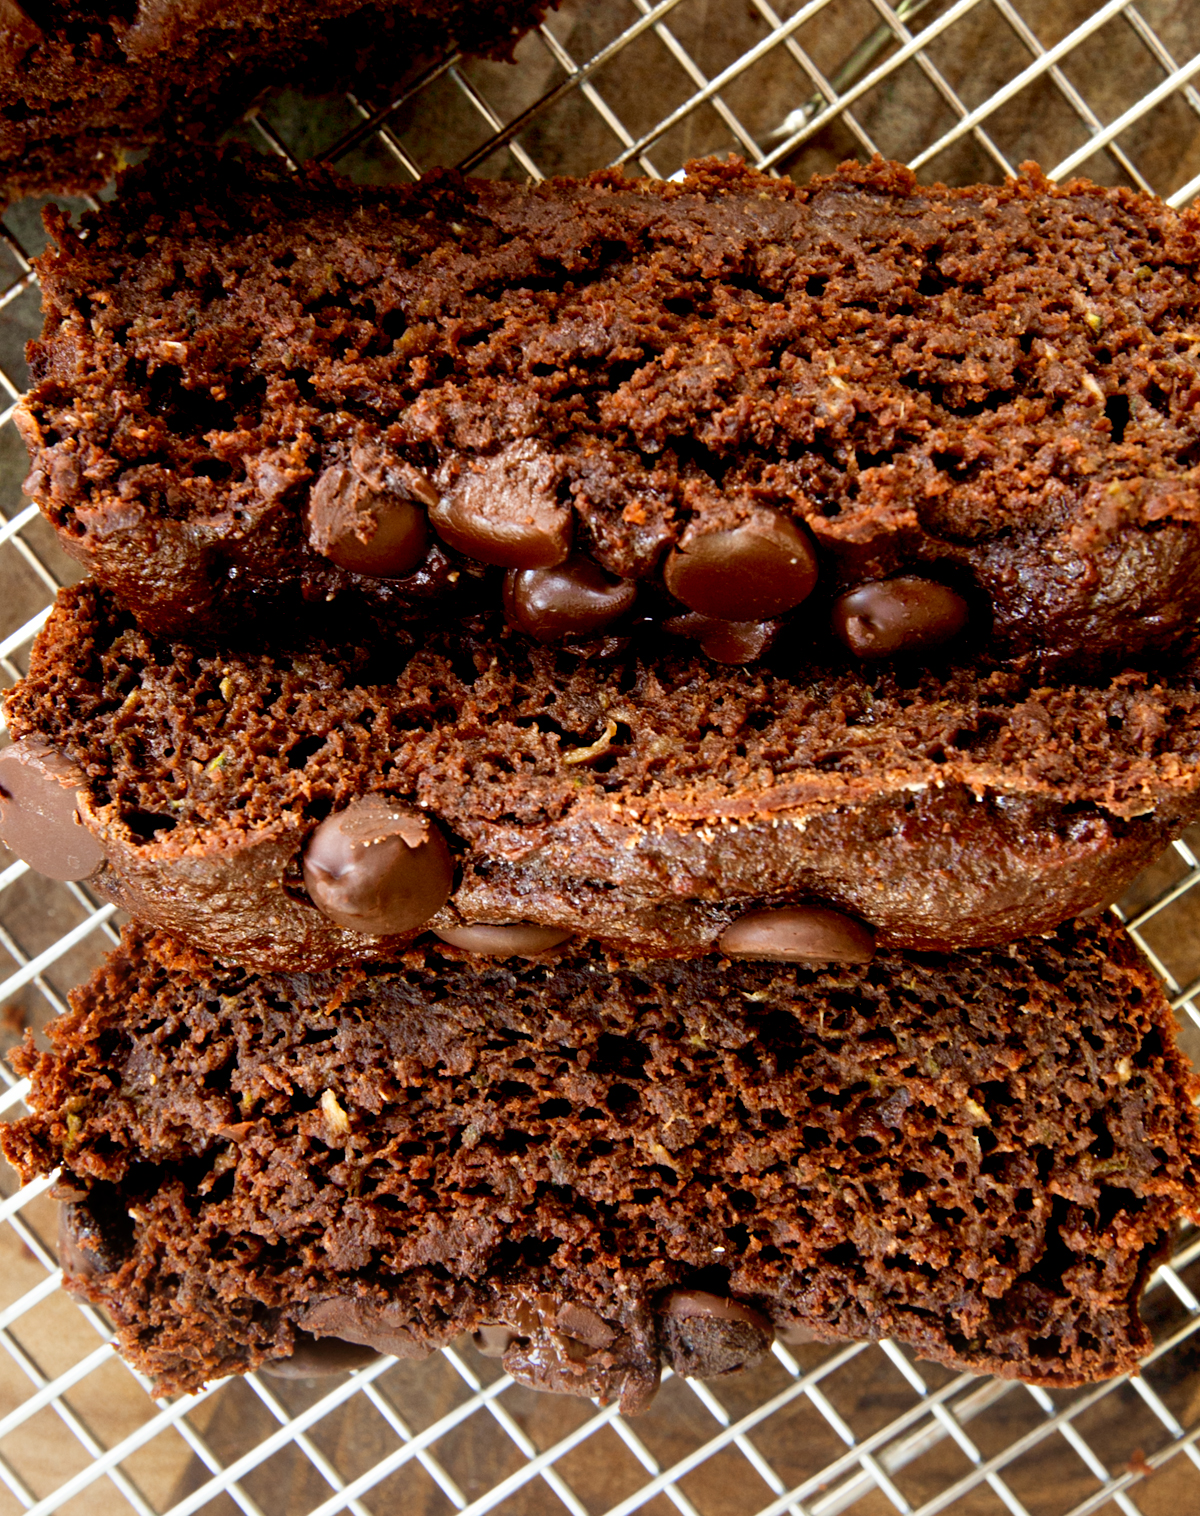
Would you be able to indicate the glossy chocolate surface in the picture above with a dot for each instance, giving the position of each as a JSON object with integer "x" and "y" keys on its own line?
{"x": 894, "y": 616}
{"x": 574, "y": 599}
{"x": 368, "y": 531}
{"x": 364, "y": 1321}
{"x": 510, "y": 939}
{"x": 505, "y": 510}
{"x": 799, "y": 934}
{"x": 378, "y": 866}
{"x": 752, "y": 572}
{"x": 725, "y": 641}
{"x": 708, "y": 1335}
{"x": 39, "y": 816}
{"x": 315, "y": 1357}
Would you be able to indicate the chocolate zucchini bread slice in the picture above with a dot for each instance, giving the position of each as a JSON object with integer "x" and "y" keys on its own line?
{"x": 318, "y": 804}
{"x": 81, "y": 81}
{"x": 603, "y": 1165}
{"x": 743, "y": 409}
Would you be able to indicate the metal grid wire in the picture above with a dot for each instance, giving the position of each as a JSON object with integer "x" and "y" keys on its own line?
{"x": 963, "y": 91}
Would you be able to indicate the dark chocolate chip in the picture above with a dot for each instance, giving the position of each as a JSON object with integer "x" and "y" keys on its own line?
{"x": 725, "y": 641}
{"x": 39, "y": 817}
{"x": 752, "y": 572}
{"x": 505, "y": 510}
{"x": 905, "y": 615}
{"x": 366, "y": 530}
{"x": 493, "y": 1340}
{"x": 89, "y": 1244}
{"x": 583, "y": 1324}
{"x": 513, "y": 939}
{"x": 314, "y": 1357}
{"x": 573, "y": 599}
{"x": 799, "y": 934}
{"x": 67, "y": 1189}
{"x": 390, "y": 475}
{"x": 708, "y": 1335}
{"x": 571, "y": 1349}
{"x": 378, "y": 867}
{"x": 382, "y": 1326}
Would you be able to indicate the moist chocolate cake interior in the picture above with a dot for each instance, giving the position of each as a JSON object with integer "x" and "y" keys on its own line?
{"x": 978, "y": 1153}
{"x": 179, "y": 739}
{"x": 638, "y": 797}
{"x": 987, "y": 388}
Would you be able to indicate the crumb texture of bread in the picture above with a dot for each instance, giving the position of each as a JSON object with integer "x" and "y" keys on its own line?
{"x": 991, "y": 388}
{"x": 646, "y": 800}
{"x": 978, "y": 1154}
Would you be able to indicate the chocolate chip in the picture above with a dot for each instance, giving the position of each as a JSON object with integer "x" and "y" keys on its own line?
{"x": 314, "y": 1357}
{"x": 378, "y": 867}
{"x": 574, "y": 599}
{"x": 571, "y": 1349}
{"x": 90, "y": 1243}
{"x": 799, "y": 934}
{"x": 493, "y": 1340}
{"x": 726, "y": 641}
{"x": 383, "y": 471}
{"x": 752, "y": 572}
{"x": 365, "y": 529}
{"x": 584, "y": 1325}
{"x": 66, "y": 1189}
{"x": 708, "y": 1335}
{"x": 513, "y": 939}
{"x": 505, "y": 510}
{"x": 39, "y": 817}
{"x": 905, "y": 615}
{"x": 382, "y": 1326}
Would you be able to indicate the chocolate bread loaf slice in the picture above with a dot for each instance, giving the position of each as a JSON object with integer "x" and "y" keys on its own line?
{"x": 744, "y": 409}
{"x": 319, "y": 804}
{"x": 605, "y": 1165}
{"x": 81, "y": 81}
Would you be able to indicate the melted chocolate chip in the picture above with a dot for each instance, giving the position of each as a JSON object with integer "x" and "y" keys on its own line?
{"x": 512, "y": 939}
{"x": 571, "y": 1349}
{"x": 365, "y": 529}
{"x": 505, "y": 510}
{"x": 378, "y": 867}
{"x": 382, "y": 1327}
{"x": 752, "y": 572}
{"x": 493, "y": 1340}
{"x": 90, "y": 1244}
{"x": 726, "y": 641}
{"x": 574, "y": 599}
{"x": 799, "y": 934}
{"x": 39, "y": 818}
{"x": 314, "y": 1357}
{"x": 905, "y": 615}
{"x": 708, "y": 1335}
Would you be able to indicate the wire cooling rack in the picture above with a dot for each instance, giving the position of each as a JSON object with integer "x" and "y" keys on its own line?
{"x": 963, "y": 91}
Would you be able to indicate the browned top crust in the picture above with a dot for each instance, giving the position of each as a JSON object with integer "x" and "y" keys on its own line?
{"x": 979, "y": 1154}
{"x": 992, "y": 387}
{"x": 81, "y": 81}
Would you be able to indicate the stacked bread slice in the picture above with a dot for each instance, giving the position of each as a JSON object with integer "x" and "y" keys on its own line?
{"x": 81, "y": 84}
{"x": 603, "y": 698}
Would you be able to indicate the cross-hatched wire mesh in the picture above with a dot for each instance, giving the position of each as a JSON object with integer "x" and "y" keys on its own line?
{"x": 963, "y": 91}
